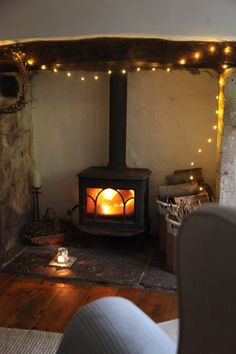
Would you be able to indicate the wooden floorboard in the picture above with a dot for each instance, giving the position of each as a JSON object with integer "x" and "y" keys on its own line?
{"x": 45, "y": 305}
{"x": 134, "y": 295}
{"x": 62, "y": 308}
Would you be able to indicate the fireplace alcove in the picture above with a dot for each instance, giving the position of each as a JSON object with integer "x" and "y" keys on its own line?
{"x": 150, "y": 55}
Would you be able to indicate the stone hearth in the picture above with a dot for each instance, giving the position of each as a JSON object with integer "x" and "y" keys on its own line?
{"x": 106, "y": 262}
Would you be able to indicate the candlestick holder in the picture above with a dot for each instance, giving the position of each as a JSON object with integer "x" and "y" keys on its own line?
{"x": 36, "y": 193}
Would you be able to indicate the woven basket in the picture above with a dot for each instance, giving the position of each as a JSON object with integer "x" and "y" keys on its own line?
{"x": 161, "y": 215}
{"x": 171, "y": 237}
{"x": 46, "y": 231}
{"x": 162, "y": 211}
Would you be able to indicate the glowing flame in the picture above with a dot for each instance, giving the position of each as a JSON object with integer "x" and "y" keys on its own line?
{"x": 106, "y": 209}
{"x": 110, "y": 201}
{"x": 109, "y": 193}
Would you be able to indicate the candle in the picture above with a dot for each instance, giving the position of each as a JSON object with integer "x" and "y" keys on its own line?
{"x": 36, "y": 180}
{"x": 62, "y": 255}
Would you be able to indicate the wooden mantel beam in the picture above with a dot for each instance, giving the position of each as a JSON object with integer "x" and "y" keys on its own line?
{"x": 100, "y": 54}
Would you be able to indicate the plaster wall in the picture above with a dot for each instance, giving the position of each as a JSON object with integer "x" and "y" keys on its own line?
{"x": 170, "y": 116}
{"x": 70, "y": 119}
{"x": 169, "y": 18}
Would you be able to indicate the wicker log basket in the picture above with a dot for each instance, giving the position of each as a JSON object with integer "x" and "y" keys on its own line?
{"x": 172, "y": 229}
{"x": 47, "y": 231}
{"x": 162, "y": 211}
{"x": 183, "y": 192}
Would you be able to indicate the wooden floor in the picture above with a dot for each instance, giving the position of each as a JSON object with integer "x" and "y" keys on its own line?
{"x": 45, "y": 305}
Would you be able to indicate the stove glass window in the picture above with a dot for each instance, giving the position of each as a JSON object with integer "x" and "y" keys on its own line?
{"x": 110, "y": 203}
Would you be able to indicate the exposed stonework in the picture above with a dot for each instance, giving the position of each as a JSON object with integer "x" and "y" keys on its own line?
{"x": 227, "y": 151}
{"x": 16, "y": 161}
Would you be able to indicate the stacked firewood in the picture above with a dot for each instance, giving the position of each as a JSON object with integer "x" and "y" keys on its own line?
{"x": 184, "y": 191}
{"x": 178, "y": 212}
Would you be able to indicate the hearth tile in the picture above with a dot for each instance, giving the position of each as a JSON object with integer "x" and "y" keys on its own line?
{"x": 156, "y": 277}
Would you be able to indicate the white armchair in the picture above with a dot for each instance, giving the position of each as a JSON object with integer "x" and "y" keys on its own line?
{"x": 206, "y": 269}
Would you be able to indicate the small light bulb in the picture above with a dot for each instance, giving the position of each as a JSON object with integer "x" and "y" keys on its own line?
{"x": 68, "y": 74}
{"x": 109, "y": 72}
{"x": 55, "y": 70}
{"x": 153, "y": 69}
{"x": 227, "y": 50}
{"x": 224, "y": 66}
{"x": 95, "y": 77}
{"x": 217, "y": 111}
{"x": 217, "y": 97}
{"x": 191, "y": 178}
{"x": 30, "y": 61}
{"x": 43, "y": 67}
{"x": 197, "y": 55}
{"x": 192, "y": 163}
{"x": 212, "y": 48}
{"x": 182, "y": 61}
{"x": 199, "y": 150}
{"x": 201, "y": 189}
{"x": 215, "y": 127}
{"x": 168, "y": 70}
{"x": 209, "y": 140}
{"x": 82, "y": 78}
{"x": 138, "y": 69}
{"x": 123, "y": 71}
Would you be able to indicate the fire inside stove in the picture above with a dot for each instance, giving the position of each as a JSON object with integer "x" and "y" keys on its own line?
{"x": 110, "y": 202}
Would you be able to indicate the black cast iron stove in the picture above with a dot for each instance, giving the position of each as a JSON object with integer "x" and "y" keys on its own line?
{"x": 113, "y": 200}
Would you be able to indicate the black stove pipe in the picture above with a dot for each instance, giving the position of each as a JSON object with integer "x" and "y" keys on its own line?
{"x": 117, "y": 125}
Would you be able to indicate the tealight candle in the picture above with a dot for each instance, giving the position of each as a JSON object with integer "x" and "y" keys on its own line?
{"x": 62, "y": 255}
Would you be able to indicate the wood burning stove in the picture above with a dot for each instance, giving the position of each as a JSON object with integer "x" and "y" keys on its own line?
{"x": 113, "y": 200}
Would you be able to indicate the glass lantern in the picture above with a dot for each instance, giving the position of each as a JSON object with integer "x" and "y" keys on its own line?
{"x": 62, "y": 255}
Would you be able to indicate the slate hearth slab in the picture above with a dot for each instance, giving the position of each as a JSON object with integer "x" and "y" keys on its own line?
{"x": 96, "y": 265}
{"x": 111, "y": 266}
{"x": 93, "y": 265}
{"x": 156, "y": 277}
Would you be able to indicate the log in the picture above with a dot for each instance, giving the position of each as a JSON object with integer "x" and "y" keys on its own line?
{"x": 209, "y": 191}
{"x": 185, "y": 174}
{"x": 178, "y": 190}
{"x": 175, "y": 179}
{"x": 202, "y": 197}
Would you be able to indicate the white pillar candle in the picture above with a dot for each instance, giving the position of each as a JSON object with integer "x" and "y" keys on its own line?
{"x": 36, "y": 180}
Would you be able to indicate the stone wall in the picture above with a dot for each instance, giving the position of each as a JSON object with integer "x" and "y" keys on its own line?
{"x": 16, "y": 161}
{"x": 227, "y": 139}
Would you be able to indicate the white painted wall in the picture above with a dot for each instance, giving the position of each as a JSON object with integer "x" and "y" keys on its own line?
{"x": 70, "y": 119}
{"x": 56, "y": 18}
{"x": 170, "y": 115}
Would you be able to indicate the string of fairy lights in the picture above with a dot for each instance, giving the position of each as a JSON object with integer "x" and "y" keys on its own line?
{"x": 209, "y": 140}
{"x": 195, "y": 57}
{"x": 192, "y": 58}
